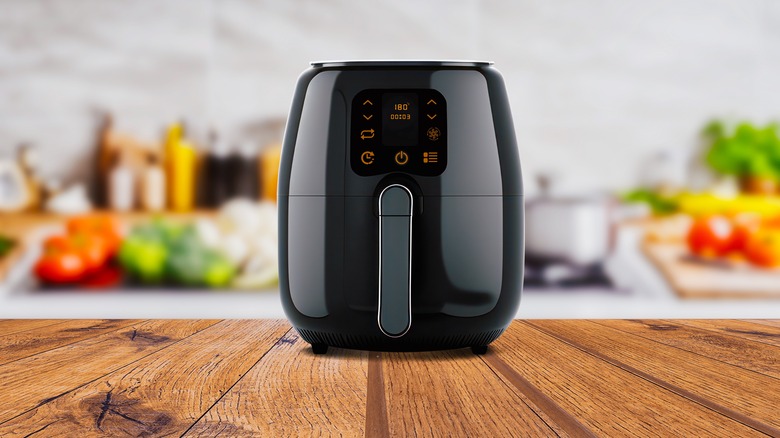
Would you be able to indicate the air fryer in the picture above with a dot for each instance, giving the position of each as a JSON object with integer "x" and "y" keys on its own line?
{"x": 400, "y": 206}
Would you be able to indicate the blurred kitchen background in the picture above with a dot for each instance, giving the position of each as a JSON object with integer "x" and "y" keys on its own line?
{"x": 139, "y": 145}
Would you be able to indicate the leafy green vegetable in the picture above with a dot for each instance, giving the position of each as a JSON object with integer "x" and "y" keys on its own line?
{"x": 658, "y": 203}
{"x": 160, "y": 251}
{"x": 144, "y": 257}
{"x": 745, "y": 150}
{"x": 6, "y": 245}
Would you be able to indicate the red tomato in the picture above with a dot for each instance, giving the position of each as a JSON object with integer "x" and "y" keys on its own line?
{"x": 60, "y": 267}
{"x": 91, "y": 241}
{"x": 106, "y": 277}
{"x": 711, "y": 236}
{"x": 763, "y": 248}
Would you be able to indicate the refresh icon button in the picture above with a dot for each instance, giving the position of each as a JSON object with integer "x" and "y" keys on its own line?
{"x": 367, "y": 157}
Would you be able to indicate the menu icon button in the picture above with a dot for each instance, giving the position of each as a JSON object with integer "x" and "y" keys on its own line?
{"x": 430, "y": 157}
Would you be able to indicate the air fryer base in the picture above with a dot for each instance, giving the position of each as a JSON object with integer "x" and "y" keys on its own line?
{"x": 321, "y": 340}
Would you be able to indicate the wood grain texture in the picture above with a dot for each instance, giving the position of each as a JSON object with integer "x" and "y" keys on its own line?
{"x": 769, "y": 322}
{"x": 734, "y": 350}
{"x": 432, "y": 394}
{"x": 743, "y": 329}
{"x": 608, "y": 400}
{"x": 27, "y": 343}
{"x": 161, "y": 394}
{"x": 257, "y": 378}
{"x": 708, "y": 382}
{"x": 376, "y": 401}
{"x": 556, "y": 417}
{"x": 11, "y": 326}
{"x": 36, "y": 380}
{"x": 292, "y": 392}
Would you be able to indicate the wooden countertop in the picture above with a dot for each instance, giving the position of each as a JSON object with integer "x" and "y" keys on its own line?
{"x": 257, "y": 377}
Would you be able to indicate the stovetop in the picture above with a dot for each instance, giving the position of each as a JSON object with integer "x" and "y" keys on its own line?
{"x": 566, "y": 277}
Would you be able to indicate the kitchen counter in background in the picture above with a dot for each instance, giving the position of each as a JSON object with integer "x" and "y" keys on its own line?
{"x": 241, "y": 378}
{"x": 266, "y": 304}
{"x": 639, "y": 291}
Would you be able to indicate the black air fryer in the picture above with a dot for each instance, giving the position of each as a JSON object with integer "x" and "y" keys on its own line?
{"x": 400, "y": 206}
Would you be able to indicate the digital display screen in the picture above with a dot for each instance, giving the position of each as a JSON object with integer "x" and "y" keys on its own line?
{"x": 400, "y": 119}
{"x": 398, "y": 130}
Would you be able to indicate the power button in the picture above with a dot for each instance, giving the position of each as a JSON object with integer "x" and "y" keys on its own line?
{"x": 401, "y": 158}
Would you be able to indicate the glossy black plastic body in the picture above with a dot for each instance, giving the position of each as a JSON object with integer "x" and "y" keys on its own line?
{"x": 467, "y": 242}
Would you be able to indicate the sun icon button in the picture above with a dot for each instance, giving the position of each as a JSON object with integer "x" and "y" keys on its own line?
{"x": 433, "y": 133}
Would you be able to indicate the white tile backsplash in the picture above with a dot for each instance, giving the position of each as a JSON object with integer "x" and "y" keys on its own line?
{"x": 596, "y": 87}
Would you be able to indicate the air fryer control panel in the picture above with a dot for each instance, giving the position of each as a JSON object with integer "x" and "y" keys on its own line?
{"x": 399, "y": 130}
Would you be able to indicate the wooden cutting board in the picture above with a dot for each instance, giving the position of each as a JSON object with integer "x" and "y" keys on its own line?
{"x": 692, "y": 278}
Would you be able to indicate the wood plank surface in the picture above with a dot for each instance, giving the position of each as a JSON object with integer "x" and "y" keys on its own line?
{"x": 292, "y": 392}
{"x": 29, "y": 342}
{"x": 11, "y": 326}
{"x": 607, "y": 399}
{"x": 258, "y": 378}
{"x": 772, "y": 322}
{"x": 193, "y": 374}
{"x": 561, "y": 421}
{"x": 766, "y": 334}
{"x": 38, "y": 379}
{"x": 708, "y": 382}
{"x": 376, "y": 401}
{"x": 429, "y": 394}
{"x": 731, "y": 349}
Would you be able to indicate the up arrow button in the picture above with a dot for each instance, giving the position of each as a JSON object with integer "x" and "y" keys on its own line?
{"x": 431, "y": 102}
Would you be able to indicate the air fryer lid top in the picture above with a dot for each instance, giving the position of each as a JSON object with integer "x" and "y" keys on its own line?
{"x": 336, "y": 128}
{"x": 402, "y": 63}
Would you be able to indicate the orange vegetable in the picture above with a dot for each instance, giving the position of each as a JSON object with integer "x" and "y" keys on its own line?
{"x": 745, "y": 225}
{"x": 103, "y": 226}
{"x": 763, "y": 248}
{"x": 56, "y": 243}
{"x": 773, "y": 222}
{"x": 93, "y": 249}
